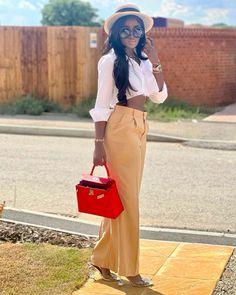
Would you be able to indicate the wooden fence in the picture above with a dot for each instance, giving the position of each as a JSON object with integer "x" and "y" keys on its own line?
{"x": 54, "y": 62}
{"x": 58, "y": 63}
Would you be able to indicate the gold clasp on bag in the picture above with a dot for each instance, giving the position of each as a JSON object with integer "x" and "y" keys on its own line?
{"x": 91, "y": 192}
{"x": 100, "y": 196}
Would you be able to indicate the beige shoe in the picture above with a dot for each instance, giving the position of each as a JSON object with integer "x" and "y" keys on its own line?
{"x": 111, "y": 277}
{"x": 143, "y": 282}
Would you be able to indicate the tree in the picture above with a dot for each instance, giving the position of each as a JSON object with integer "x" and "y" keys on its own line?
{"x": 223, "y": 26}
{"x": 69, "y": 13}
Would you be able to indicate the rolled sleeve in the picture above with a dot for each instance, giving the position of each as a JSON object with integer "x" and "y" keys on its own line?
{"x": 102, "y": 110}
{"x": 154, "y": 92}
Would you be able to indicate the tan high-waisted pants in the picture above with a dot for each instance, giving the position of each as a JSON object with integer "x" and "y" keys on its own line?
{"x": 125, "y": 146}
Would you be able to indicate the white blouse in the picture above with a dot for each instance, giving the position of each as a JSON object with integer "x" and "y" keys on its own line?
{"x": 140, "y": 77}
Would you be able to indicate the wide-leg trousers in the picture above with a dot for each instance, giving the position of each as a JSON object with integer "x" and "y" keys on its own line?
{"x": 125, "y": 146}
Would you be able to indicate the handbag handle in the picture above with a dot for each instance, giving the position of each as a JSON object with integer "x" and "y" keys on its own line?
{"x": 108, "y": 174}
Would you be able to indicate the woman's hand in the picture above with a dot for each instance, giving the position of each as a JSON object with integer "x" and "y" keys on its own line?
{"x": 99, "y": 155}
{"x": 2, "y": 207}
{"x": 151, "y": 51}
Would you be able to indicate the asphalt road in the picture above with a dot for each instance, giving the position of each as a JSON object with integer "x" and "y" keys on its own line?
{"x": 183, "y": 187}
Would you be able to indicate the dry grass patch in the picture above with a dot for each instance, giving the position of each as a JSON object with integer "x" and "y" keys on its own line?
{"x": 42, "y": 269}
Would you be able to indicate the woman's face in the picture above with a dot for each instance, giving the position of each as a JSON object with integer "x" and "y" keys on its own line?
{"x": 130, "y": 42}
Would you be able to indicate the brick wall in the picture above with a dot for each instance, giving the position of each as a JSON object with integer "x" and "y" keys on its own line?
{"x": 199, "y": 65}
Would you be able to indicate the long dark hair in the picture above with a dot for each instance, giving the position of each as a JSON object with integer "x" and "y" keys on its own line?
{"x": 121, "y": 66}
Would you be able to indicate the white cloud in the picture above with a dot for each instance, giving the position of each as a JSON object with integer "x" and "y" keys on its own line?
{"x": 108, "y": 3}
{"x": 100, "y": 3}
{"x": 6, "y": 3}
{"x": 215, "y": 15}
{"x": 9, "y": 20}
{"x": 120, "y": 2}
{"x": 40, "y": 5}
{"x": 170, "y": 8}
{"x": 27, "y": 5}
{"x": 192, "y": 12}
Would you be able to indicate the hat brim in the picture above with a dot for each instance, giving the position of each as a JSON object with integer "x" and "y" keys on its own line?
{"x": 147, "y": 20}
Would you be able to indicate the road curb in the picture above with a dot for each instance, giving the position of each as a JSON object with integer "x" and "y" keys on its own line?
{"x": 77, "y": 226}
{"x": 88, "y": 133}
{"x": 72, "y": 132}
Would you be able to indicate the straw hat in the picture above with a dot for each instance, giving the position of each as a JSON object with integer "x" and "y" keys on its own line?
{"x": 128, "y": 9}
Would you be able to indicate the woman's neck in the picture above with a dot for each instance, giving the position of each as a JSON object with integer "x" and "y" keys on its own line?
{"x": 130, "y": 52}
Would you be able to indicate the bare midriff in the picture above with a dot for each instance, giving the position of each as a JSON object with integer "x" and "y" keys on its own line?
{"x": 137, "y": 102}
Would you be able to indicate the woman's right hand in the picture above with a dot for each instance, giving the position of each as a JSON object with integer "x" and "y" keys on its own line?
{"x": 99, "y": 155}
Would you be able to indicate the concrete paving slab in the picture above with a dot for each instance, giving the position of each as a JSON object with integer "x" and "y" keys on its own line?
{"x": 187, "y": 269}
{"x": 228, "y": 114}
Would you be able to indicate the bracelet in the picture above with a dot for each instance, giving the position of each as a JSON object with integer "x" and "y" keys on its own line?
{"x": 157, "y": 72}
{"x": 157, "y": 69}
{"x": 99, "y": 139}
{"x": 156, "y": 64}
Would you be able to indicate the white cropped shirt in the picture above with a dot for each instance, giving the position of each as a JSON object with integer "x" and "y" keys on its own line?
{"x": 140, "y": 77}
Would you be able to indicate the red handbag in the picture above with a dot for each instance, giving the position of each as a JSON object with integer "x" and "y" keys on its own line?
{"x": 98, "y": 195}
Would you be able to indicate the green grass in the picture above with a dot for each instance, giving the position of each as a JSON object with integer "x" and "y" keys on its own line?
{"x": 172, "y": 110}
{"x": 31, "y": 269}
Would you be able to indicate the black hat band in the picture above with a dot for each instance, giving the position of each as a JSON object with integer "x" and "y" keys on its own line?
{"x": 127, "y": 9}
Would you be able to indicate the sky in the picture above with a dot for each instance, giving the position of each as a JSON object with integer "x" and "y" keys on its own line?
{"x": 206, "y": 12}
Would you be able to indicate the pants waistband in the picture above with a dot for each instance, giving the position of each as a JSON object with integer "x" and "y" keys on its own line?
{"x": 131, "y": 111}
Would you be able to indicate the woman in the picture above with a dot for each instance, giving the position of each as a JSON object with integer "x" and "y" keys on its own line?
{"x": 129, "y": 72}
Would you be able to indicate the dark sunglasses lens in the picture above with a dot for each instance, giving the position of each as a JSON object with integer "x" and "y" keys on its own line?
{"x": 124, "y": 33}
{"x": 138, "y": 32}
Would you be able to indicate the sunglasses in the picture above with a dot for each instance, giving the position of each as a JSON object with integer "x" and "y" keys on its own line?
{"x": 126, "y": 32}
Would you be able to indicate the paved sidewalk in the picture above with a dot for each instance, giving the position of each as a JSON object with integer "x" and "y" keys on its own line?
{"x": 228, "y": 114}
{"x": 175, "y": 269}
{"x": 71, "y": 125}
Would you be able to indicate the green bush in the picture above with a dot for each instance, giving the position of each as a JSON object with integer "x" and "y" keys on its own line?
{"x": 172, "y": 109}
{"x": 30, "y": 105}
{"x": 50, "y": 106}
{"x": 82, "y": 108}
{"x": 7, "y": 108}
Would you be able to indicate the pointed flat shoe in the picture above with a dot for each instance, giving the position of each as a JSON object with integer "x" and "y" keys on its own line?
{"x": 144, "y": 282}
{"x": 110, "y": 277}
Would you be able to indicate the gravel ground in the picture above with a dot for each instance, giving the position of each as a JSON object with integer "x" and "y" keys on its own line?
{"x": 227, "y": 282}
{"x": 18, "y": 233}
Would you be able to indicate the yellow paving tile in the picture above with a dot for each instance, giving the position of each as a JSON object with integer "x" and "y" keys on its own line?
{"x": 155, "y": 243}
{"x": 201, "y": 251}
{"x": 114, "y": 289}
{"x": 193, "y": 268}
{"x": 158, "y": 248}
{"x": 175, "y": 268}
{"x": 80, "y": 292}
{"x": 99, "y": 287}
{"x": 162, "y": 286}
{"x": 182, "y": 286}
{"x": 150, "y": 265}
{"x": 197, "y": 261}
